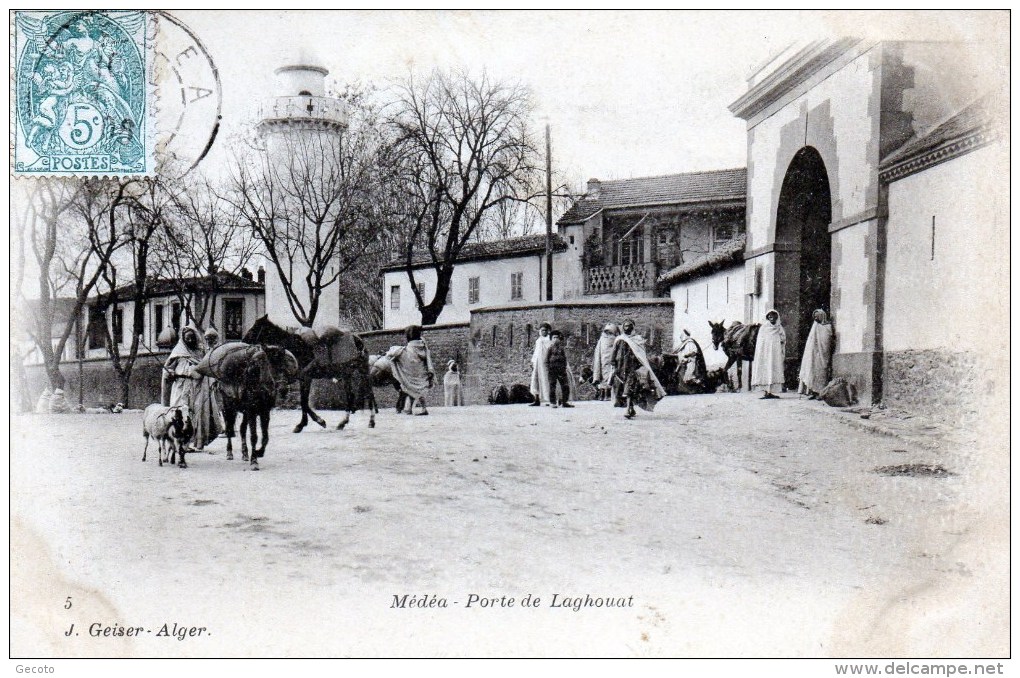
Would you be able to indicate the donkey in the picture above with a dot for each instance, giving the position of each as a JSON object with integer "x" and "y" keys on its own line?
{"x": 249, "y": 379}
{"x": 327, "y": 354}
{"x": 738, "y": 341}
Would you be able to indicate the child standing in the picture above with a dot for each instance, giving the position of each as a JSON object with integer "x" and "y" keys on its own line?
{"x": 556, "y": 362}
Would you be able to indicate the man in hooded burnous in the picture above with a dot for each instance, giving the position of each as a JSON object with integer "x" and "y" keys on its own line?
{"x": 636, "y": 382}
{"x": 191, "y": 389}
{"x": 413, "y": 369}
{"x": 539, "y": 368}
{"x": 602, "y": 362}
{"x": 814, "y": 368}
{"x": 769, "y": 356}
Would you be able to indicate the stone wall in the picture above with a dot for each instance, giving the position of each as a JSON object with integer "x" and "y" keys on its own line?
{"x": 100, "y": 383}
{"x": 495, "y": 348}
{"x": 445, "y": 342}
{"x": 949, "y": 385}
{"x": 502, "y": 339}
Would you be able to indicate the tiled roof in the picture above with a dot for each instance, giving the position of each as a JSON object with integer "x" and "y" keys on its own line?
{"x": 159, "y": 287}
{"x": 490, "y": 249}
{"x": 968, "y": 129}
{"x": 723, "y": 257}
{"x": 670, "y": 189}
{"x": 62, "y": 308}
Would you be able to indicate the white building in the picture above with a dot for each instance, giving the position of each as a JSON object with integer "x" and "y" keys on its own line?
{"x": 613, "y": 243}
{"x": 708, "y": 288}
{"x": 877, "y": 191}
{"x": 487, "y": 274}
{"x": 229, "y": 302}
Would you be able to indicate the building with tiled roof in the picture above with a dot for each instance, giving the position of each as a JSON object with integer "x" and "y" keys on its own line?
{"x": 670, "y": 189}
{"x": 613, "y": 242}
{"x": 633, "y": 230}
{"x": 522, "y": 246}
{"x": 229, "y": 302}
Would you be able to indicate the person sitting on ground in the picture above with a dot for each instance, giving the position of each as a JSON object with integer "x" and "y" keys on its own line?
{"x": 556, "y": 363}
{"x": 770, "y": 356}
{"x": 814, "y": 367}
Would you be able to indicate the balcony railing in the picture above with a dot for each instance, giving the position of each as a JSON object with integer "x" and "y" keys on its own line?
{"x": 300, "y": 110}
{"x": 628, "y": 278}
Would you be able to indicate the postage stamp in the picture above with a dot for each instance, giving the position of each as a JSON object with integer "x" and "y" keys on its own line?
{"x": 82, "y": 96}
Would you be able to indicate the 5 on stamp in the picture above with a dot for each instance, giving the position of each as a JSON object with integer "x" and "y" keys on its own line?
{"x": 81, "y": 99}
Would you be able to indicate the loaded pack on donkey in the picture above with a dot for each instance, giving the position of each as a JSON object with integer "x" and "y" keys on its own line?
{"x": 738, "y": 342}
{"x": 326, "y": 353}
{"x": 249, "y": 378}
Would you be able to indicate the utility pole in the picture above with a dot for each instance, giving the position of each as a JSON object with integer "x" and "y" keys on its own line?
{"x": 548, "y": 217}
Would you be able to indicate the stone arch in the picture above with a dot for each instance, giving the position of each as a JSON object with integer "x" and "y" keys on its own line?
{"x": 803, "y": 251}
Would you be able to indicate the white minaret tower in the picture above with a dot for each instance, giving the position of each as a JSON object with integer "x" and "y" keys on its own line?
{"x": 299, "y": 106}
{"x": 300, "y": 101}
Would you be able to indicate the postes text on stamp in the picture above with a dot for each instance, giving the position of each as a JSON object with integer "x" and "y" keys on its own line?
{"x": 82, "y": 97}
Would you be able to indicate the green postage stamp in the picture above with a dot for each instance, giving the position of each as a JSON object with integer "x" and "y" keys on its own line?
{"x": 82, "y": 96}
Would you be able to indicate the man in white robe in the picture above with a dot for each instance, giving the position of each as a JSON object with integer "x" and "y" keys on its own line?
{"x": 539, "y": 370}
{"x": 814, "y": 367}
{"x": 769, "y": 356}
{"x": 602, "y": 362}
{"x": 413, "y": 369}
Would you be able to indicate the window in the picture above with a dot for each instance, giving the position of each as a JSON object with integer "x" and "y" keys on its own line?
{"x": 118, "y": 325}
{"x": 721, "y": 234}
{"x": 157, "y": 319}
{"x": 632, "y": 251}
{"x": 233, "y": 319}
{"x": 421, "y": 293}
{"x": 175, "y": 316}
{"x": 395, "y": 297}
{"x": 97, "y": 328}
{"x": 473, "y": 285}
{"x": 517, "y": 285}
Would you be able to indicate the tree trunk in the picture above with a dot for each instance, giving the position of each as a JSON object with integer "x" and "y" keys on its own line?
{"x": 125, "y": 390}
{"x": 430, "y": 313}
{"x": 56, "y": 377}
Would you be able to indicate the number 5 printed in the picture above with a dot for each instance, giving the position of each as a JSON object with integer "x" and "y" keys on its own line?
{"x": 82, "y": 127}
{"x": 67, "y": 603}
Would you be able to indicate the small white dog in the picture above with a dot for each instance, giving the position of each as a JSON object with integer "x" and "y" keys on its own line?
{"x": 451, "y": 385}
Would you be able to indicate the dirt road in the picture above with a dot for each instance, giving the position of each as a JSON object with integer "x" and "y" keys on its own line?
{"x": 717, "y": 526}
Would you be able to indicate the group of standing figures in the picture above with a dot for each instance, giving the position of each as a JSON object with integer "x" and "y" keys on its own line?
{"x": 770, "y": 356}
{"x": 620, "y": 369}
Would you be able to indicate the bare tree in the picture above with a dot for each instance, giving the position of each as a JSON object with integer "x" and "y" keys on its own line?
{"x": 203, "y": 236}
{"x": 308, "y": 196}
{"x": 463, "y": 150}
{"x": 510, "y": 218}
{"x": 145, "y": 206}
{"x": 69, "y": 227}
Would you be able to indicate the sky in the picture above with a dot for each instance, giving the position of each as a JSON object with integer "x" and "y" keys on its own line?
{"x": 626, "y": 94}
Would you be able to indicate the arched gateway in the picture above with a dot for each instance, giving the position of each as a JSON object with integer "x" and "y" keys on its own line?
{"x": 803, "y": 261}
